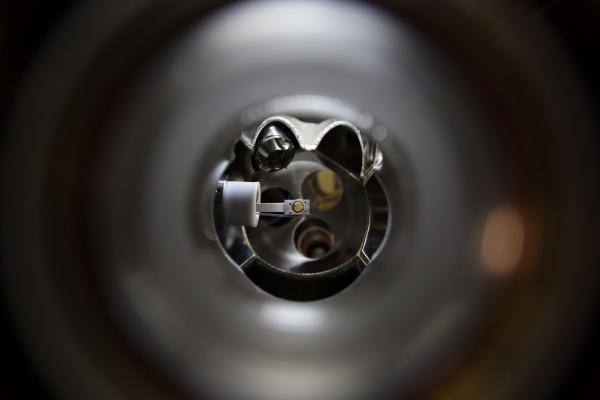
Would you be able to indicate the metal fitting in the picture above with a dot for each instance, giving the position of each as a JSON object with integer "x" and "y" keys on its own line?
{"x": 274, "y": 151}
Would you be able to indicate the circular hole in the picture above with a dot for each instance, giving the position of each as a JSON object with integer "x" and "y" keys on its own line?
{"x": 324, "y": 189}
{"x": 274, "y": 195}
{"x": 313, "y": 238}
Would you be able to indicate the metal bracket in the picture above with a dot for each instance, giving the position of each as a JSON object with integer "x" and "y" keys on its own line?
{"x": 289, "y": 208}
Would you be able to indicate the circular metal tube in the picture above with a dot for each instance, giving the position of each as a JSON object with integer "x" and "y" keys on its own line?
{"x": 125, "y": 271}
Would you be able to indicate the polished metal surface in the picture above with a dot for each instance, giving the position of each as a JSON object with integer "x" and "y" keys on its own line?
{"x": 274, "y": 151}
{"x": 294, "y": 207}
{"x": 276, "y": 244}
{"x": 328, "y": 255}
{"x": 315, "y": 349}
{"x": 111, "y": 228}
{"x": 324, "y": 135}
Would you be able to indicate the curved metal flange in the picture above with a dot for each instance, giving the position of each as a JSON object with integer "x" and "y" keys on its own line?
{"x": 309, "y": 136}
{"x": 335, "y": 143}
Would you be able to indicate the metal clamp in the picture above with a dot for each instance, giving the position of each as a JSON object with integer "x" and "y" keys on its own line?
{"x": 289, "y": 208}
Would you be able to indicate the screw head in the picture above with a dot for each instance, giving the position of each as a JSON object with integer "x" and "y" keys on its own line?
{"x": 274, "y": 152}
{"x": 298, "y": 206}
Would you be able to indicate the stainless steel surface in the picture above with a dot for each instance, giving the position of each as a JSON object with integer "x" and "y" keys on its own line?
{"x": 313, "y": 349}
{"x": 289, "y": 208}
{"x": 296, "y": 207}
{"x": 327, "y": 153}
{"x": 116, "y": 259}
{"x": 328, "y": 134}
{"x": 275, "y": 245}
{"x": 274, "y": 151}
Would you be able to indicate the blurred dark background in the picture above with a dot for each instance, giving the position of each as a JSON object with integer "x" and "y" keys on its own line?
{"x": 24, "y": 28}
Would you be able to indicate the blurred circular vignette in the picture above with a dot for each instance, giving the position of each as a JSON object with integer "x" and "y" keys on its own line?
{"x": 447, "y": 150}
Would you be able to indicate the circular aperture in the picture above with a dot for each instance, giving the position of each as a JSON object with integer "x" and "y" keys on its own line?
{"x": 111, "y": 204}
{"x": 314, "y": 239}
{"x": 274, "y": 195}
{"x": 324, "y": 189}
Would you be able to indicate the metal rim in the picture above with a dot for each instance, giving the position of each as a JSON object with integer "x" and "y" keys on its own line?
{"x": 35, "y": 184}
